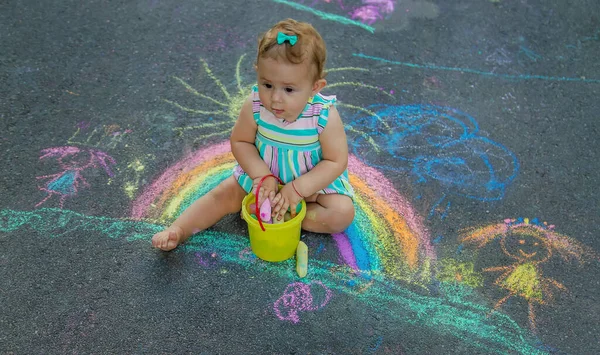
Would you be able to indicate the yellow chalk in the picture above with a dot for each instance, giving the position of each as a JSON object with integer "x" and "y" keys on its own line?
{"x": 302, "y": 259}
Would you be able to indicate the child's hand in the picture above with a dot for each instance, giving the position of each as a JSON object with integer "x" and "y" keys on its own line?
{"x": 167, "y": 239}
{"x": 286, "y": 198}
{"x": 268, "y": 189}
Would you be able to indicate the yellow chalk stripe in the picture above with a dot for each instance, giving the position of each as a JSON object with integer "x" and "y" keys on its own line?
{"x": 186, "y": 109}
{"x": 195, "y": 92}
{"x": 238, "y": 78}
{"x": 353, "y": 83}
{"x": 345, "y": 68}
{"x": 214, "y": 78}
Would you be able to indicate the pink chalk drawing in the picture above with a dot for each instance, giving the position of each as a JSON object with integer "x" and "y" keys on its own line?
{"x": 372, "y": 10}
{"x": 297, "y": 298}
{"x": 73, "y": 161}
{"x": 366, "y": 14}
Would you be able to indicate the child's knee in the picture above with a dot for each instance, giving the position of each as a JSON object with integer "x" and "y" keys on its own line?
{"x": 230, "y": 193}
{"x": 343, "y": 217}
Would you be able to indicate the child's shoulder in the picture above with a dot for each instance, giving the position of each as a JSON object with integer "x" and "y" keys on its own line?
{"x": 321, "y": 102}
{"x": 324, "y": 99}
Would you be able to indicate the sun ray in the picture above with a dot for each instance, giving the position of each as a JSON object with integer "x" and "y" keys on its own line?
{"x": 341, "y": 104}
{"x": 187, "y": 109}
{"x": 365, "y": 136}
{"x": 369, "y": 112}
{"x": 215, "y": 79}
{"x": 215, "y": 134}
{"x": 354, "y": 83}
{"x": 238, "y": 78}
{"x": 206, "y": 125}
{"x": 195, "y": 92}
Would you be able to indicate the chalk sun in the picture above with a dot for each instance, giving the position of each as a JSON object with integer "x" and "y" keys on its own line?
{"x": 223, "y": 110}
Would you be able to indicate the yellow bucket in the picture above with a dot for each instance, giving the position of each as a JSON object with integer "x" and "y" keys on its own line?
{"x": 277, "y": 242}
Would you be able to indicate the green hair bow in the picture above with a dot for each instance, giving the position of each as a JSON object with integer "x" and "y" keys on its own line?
{"x": 282, "y": 38}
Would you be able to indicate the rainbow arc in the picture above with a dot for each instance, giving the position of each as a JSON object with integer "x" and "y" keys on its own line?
{"x": 386, "y": 238}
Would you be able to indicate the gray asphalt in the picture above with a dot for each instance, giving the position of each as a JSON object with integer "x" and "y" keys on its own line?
{"x": 465, "y": 119}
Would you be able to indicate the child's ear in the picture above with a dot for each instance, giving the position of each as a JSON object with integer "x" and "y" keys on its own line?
{"x": 318, "y": 86}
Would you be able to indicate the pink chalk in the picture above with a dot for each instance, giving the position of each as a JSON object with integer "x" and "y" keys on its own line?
{"x": 265, "y": 211}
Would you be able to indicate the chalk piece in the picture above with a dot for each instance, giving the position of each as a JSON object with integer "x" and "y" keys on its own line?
{"x": 253, "y": 216}
{"x": 265, "y": 210}
{"x": 301, "y": 259}
{"x": 287, "y": 216}
{"x": 278, "y": 221}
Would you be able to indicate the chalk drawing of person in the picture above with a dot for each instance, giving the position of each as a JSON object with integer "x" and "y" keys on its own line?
{"x": 529, "y": 244}
{"x": 73, "y": 161}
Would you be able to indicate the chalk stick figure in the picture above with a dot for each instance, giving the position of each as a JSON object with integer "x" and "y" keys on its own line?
{"x": 530, "y": 245}
{"x": 73, "y": 161}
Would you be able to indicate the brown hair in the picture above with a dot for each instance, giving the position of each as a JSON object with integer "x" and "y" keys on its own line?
{"x": 310, "y": 45}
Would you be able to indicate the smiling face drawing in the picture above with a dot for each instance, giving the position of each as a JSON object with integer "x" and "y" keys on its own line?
{"x": 523, "y": 245}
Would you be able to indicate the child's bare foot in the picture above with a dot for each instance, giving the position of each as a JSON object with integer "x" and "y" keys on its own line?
{"x": 167, "y": 239}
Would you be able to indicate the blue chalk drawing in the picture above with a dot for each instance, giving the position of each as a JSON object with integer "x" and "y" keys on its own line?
{"x": 531, "y": 55}
{"x": 434, "y": 144}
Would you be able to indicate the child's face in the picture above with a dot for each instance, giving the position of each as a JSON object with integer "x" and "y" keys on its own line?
{"x": 284, "y": 88}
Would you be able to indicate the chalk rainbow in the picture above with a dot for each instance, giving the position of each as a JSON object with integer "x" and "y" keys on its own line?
{"x": 387, "y": 236}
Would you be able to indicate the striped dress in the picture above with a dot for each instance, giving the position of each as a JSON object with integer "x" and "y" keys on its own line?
{"x": 292, "y": 149}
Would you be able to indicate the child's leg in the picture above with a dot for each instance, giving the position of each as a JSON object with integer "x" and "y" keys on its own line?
{"x": 331, "y": 213}
{"x": 204, "y": 212}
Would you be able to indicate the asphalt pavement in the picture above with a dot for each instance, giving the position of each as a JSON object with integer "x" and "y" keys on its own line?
{"x": 473, "y": 135}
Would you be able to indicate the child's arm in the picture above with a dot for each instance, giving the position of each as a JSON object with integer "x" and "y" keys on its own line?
{"x": 335, "y": 157}
{"x": 243, "y": 149}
